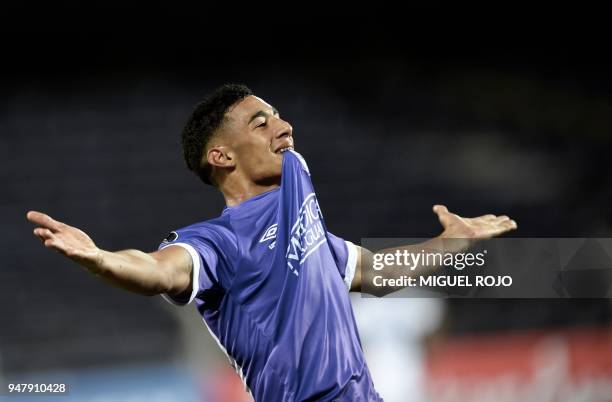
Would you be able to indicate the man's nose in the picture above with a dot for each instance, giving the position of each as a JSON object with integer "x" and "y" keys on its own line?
{"x": 284, "y": 129}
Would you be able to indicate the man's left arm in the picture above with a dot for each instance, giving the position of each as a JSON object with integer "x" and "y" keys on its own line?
{"x": 464, "y": 232}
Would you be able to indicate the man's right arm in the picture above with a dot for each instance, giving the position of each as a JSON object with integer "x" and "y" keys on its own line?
{"x": 459, "y": 234}
{"x": 164, "y": 271}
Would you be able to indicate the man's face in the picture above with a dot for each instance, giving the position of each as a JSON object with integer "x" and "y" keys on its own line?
{"x": 257, "y": 137}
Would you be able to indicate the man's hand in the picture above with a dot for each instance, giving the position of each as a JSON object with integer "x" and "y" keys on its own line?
{"x": 459, "y": 235}
{"x": 164, "y": 271}
{"x": 68, "y": 240}
{"x": 479, "y": 228}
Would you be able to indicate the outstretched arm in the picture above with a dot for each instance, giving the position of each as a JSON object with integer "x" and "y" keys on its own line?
{"x": 164, "y": 271}
{"x": 464, "y": 232}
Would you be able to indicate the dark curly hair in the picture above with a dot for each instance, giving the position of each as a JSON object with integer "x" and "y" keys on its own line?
{"x": 206, "y": 118}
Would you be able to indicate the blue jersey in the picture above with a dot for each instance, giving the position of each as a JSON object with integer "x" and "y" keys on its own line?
{"x": 271, "y": 285}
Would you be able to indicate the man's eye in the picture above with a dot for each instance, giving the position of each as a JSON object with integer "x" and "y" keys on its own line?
{"x": 262, "y": 124}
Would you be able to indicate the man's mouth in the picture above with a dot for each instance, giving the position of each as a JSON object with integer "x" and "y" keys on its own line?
{"x": 283, "y": 150}
{"x": 285, "y": 145}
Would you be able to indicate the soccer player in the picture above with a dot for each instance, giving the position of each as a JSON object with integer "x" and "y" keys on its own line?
{"x": 270, "y": 281}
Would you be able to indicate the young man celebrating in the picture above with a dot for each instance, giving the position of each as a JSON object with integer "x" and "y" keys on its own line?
{"x": 268, "y": 278}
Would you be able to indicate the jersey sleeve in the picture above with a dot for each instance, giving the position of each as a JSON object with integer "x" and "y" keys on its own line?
{"x": 204, "y": 259}
{"x": 345, "y": 254}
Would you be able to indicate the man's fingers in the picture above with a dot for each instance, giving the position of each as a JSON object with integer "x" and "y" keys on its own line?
{"x": 49, "y": 239}
{"x": 50, "y": 243}
{"x": 43, "y": 220}
{"x": 55, "y": 244}
{"x": 493, "y": 218}
{"x": 35, "y": 216}
{"x": 43, "y": 232}
{"x": 507, "y": 224}
{"x": 440, "y": 209}
{"x": 41, "y": 238}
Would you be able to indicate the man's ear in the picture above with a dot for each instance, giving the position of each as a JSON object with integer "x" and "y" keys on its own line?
{"x": 220, "y": 156}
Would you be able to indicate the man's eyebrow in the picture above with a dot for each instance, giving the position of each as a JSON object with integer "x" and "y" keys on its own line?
{"x": 263, "y": 113}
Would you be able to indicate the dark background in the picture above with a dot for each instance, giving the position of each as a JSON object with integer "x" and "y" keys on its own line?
{"x": 394, "y": 112}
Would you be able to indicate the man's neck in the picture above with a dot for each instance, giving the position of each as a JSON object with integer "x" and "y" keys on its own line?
{"x": 237, "y": 195}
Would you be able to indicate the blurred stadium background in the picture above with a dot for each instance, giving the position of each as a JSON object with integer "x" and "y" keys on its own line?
{"x": 390, "y": 123}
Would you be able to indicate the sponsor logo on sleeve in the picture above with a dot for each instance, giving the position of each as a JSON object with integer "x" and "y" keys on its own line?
{"x": 172, "y": 236}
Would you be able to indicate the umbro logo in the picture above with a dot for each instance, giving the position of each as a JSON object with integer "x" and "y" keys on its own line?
{"x": 269, "y": 234}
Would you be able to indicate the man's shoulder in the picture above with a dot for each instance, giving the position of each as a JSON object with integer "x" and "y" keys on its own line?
{"x": 219, "y": 226}
{"x": 215, "y": 231}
